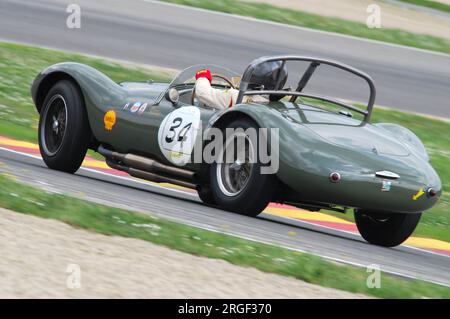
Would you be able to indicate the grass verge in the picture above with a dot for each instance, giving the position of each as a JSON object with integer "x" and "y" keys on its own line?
{"x": 430, "y": 4}
{"x": 18, "y": 118}
{"x": 314, "y": 21}
{"x": 19, "y": 65}
{"x": 267, "y": 258}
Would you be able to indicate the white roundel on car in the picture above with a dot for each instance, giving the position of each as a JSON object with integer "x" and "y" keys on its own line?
{"x": 177, "y": 134}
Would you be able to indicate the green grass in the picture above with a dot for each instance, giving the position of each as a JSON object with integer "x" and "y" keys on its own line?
{"x": 267, "y": 258}
{"x": 314, "y": 21}
{"x": 430, "y": 4}
{"x": 18, "y": 118}
{"x": 18, "y": 67}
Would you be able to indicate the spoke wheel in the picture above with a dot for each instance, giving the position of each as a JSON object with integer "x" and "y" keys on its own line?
{"x": 64, "y": 131}
{"x": 55, "y": 123}
{"x": 233, "y": 177}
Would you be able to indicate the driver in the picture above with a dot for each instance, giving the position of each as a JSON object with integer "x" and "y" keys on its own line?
{"x": 265, "y": 76}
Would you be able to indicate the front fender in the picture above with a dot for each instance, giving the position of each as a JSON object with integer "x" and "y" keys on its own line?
{"x": 95, "y": 86}
{"x": 99, "y": 92}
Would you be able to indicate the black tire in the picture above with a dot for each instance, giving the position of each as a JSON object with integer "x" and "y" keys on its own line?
{"x": 64, "y": 139}
{"x": 386, "y": 229}
{"x": 206, "y": 195}
{"x": 254, "y": 195}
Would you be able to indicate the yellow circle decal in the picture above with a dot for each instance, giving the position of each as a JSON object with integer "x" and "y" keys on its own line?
{"x": 109, "y": 120}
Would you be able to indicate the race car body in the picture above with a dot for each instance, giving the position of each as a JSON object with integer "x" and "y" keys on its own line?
{"x": 327, "y": 158}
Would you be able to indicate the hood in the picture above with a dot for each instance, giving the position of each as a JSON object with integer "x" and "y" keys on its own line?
{"x": 148, "y": 90}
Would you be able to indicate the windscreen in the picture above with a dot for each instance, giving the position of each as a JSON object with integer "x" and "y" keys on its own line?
{"x": 187, "y": 76}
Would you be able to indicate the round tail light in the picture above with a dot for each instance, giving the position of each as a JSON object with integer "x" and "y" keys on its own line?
{"x": 431, "y": 192}
{"x": 335, "y": 177}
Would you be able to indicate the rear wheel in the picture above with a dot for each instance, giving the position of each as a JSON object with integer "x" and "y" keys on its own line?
{"x": 64, "y": 131}
{"x": 386, "y": 229}
{"x": 206, "y": 195}
{"x": 238, "y": 185}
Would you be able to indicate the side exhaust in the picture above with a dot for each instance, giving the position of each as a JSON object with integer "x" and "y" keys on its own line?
{"x": 148, "y": 169}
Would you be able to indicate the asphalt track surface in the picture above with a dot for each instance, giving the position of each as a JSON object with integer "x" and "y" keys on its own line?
{"x": 176, "y": 37}
{"x": 185, "y": 207}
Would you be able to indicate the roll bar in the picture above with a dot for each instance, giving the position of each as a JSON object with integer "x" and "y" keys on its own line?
{"x": 314, "y": 63}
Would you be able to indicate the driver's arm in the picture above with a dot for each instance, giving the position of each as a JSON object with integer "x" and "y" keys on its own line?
{"x": 210, "y": 96}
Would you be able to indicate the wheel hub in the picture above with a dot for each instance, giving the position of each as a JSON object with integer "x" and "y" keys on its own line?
{"x": 55, "y": 125}
{"x": 233, "y": 177}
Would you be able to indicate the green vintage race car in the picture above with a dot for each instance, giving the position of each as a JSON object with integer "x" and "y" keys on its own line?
{"x": 330, "y": 156}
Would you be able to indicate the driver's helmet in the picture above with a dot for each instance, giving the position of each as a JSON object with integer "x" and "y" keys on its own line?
{"x": 265, "y": 76}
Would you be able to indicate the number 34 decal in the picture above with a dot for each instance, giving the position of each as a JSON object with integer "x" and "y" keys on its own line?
{"x": 178, "y": 133}
{"x": 181, "y": 136}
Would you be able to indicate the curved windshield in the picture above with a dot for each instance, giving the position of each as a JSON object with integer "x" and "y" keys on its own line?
{"x": 187, "y": 76}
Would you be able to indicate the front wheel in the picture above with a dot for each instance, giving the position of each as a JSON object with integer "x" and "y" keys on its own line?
{"x": 386, "y": 229}
{"x": 64, "y": 132}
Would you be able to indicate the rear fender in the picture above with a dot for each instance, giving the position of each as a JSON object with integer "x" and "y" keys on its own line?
{"x": 408, "y": 138}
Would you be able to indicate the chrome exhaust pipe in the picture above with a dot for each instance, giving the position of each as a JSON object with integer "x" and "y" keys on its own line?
{"x": 145, "y": 164}
{"x": 150, "y": 165}
{"x": 149, "y": 176}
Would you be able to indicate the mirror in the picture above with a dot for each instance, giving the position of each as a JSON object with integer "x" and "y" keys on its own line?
{"x": 173, "y": 96}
